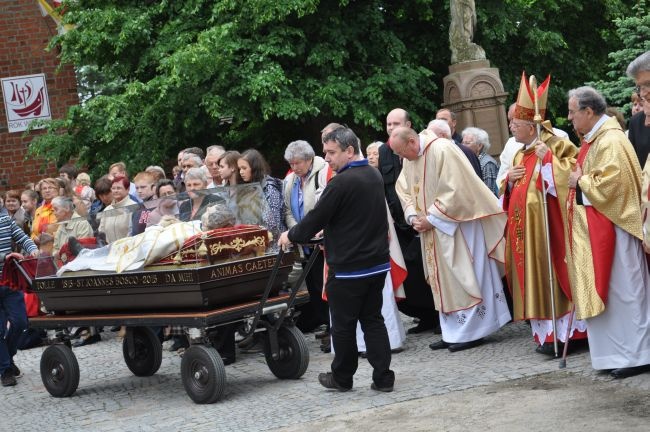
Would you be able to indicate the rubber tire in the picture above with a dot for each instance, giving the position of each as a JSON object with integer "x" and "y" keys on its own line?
{"x": 60, "y": 358}
{"x": 148, "y": 355}
{"x": 294, "y": 354}
{"x": 206, "y": 361}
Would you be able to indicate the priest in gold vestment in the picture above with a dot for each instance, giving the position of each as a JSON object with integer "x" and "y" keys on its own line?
{"x": 607, "y": 267}
{"x": 527, "y": 268}
{"x": 461, "y": 232}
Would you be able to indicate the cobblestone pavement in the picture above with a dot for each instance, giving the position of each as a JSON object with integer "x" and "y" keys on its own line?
{"x": 110, "y": 398}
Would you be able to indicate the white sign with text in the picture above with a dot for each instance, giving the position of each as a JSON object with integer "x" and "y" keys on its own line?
{"x": 25, "y": 99}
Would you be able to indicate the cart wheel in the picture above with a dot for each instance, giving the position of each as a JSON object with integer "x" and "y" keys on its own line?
{"x": 59, "y": 370}
{"x": 147, "y": 356}
{"x": 293, "y": 351}
{"x": 203, "y": 374}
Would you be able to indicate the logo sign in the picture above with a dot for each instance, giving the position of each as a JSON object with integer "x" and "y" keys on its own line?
{"x": 25, "y": 99}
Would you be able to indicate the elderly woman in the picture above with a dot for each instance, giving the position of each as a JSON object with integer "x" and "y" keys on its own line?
{"x": 69, "y": 221}
{"x": 115, "y": 221}
{"x": 479, "y": 142}
{"x": 196, "y": 180}
{"x": 372, "y": 153}
{"x": 303, "y": 186}
{"x": 253, "y": 168}
{"x": 44, "y": 215}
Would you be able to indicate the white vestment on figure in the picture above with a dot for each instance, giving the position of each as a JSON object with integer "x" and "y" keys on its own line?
{"x": 487, "y": 316}
{"x": 133, "y": 253}
{"x": 392, "y": 319}
{"x": 620, "y": 336}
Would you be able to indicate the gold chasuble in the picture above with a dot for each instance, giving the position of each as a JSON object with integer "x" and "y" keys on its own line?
{"x": 611, "y": 182}
{"x": 526, "y": 264}
{"x": 442, "y": 183}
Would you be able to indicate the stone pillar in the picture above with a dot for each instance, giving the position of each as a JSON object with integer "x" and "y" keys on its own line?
{"x": 473, "y": 90}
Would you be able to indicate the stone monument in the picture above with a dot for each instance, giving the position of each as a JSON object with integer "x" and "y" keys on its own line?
{"x": 473, "y": 90}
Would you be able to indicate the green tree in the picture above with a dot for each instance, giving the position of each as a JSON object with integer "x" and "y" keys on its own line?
{"x": 260, "y": 73}
{"x": 632, "y": 34}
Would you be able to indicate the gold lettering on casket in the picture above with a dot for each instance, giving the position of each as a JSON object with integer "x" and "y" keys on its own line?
{"x": 185, "y": 277}
{"x": 45, "y": 285}
{"x": 226, "y": 271}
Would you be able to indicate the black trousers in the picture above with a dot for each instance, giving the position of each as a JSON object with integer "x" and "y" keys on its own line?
{"x": 316, "y": 312}
{"x": 352, "y": 301}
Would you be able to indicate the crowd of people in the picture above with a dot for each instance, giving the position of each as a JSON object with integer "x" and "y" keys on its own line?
{"x": 426, "y": 225}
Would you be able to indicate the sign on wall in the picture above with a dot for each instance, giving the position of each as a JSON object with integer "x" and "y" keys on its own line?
{"x": 25, "y": 99}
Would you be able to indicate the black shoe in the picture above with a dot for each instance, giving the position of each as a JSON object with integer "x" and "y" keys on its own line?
{"x": 326, "y": 345}
{"x": 327, "y": 381}
{"x": 17, "y": 373}
{"x": 438, "y": 345}
{"x": 179, "y": 342}
{"x": 363, "y": 354}
{"x": 8, "y": 379}
{"x": 385, "y": 389}
{"x": 75, "y": 246}
{"x": 87, "y": 341}
{"x": 629, "y": 371}
{"x": 420, "y": 328}
{"x": 465, "y": 345}
{"x": 115, "y": 328}
{"x": 547, "y": 349}
{"x": 228, "y": 360}
{"x": 396, "y": 350}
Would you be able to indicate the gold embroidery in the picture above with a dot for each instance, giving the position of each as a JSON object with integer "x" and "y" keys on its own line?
{"x": 237, "y": 244}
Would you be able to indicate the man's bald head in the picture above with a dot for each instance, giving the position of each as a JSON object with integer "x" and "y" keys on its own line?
{"x": 405, "y": 142}
{"x": 395, "y": 118}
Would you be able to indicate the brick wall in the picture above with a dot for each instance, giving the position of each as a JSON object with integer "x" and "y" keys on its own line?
{"x": 24, "y": 35}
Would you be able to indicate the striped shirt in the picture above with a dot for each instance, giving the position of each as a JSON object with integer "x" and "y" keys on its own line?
{"x": 10, "y": 231}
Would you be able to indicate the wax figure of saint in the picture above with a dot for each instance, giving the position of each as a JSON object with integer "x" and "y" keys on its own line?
{"x": 607, "y": 267}
{"x": 526, "y": 250}
{"x": 461, "y": 232}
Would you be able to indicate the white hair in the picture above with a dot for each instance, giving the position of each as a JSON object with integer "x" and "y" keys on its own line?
{"x": 479, "y": 134}
{"x": 440, "y": 127}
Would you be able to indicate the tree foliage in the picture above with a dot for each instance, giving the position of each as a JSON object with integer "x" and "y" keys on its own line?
{"x": 260, "y": 73}
{"x": 632, "y": 33}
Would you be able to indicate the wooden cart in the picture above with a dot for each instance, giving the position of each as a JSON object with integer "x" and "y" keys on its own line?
{"x": 268, "y": 318}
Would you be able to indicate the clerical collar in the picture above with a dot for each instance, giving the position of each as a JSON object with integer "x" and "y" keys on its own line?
{"x": 423, "y": 145}
{"x": 353, "y": 164}
{"x": 599, "y": 123}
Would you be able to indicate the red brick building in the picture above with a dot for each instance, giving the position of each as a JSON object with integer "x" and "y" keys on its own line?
{"x": 24, "y": 35}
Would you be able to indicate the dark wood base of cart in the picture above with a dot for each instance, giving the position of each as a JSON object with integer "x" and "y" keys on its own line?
{"x": 202, "y": 368}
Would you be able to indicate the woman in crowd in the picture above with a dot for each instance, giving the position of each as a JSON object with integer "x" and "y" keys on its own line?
{"x": 372, "y": 153}
{"x": 14, "y": 210}
{"x": 29, "y": 202}
{"x": 478, "y": 142}
{"x": 167, "y": 202}
{"x": 44, "y": 215}
{"x": 196, "y": 181}
{"x": 115, "y": 223}
{"x": 303, "y": 186}
{"x": 228, "y": 170}
{"x": 253, "y": 168}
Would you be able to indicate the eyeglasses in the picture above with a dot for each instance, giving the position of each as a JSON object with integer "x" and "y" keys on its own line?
{"x": 642, "y": 87}
{"x": 518, "y": 125}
